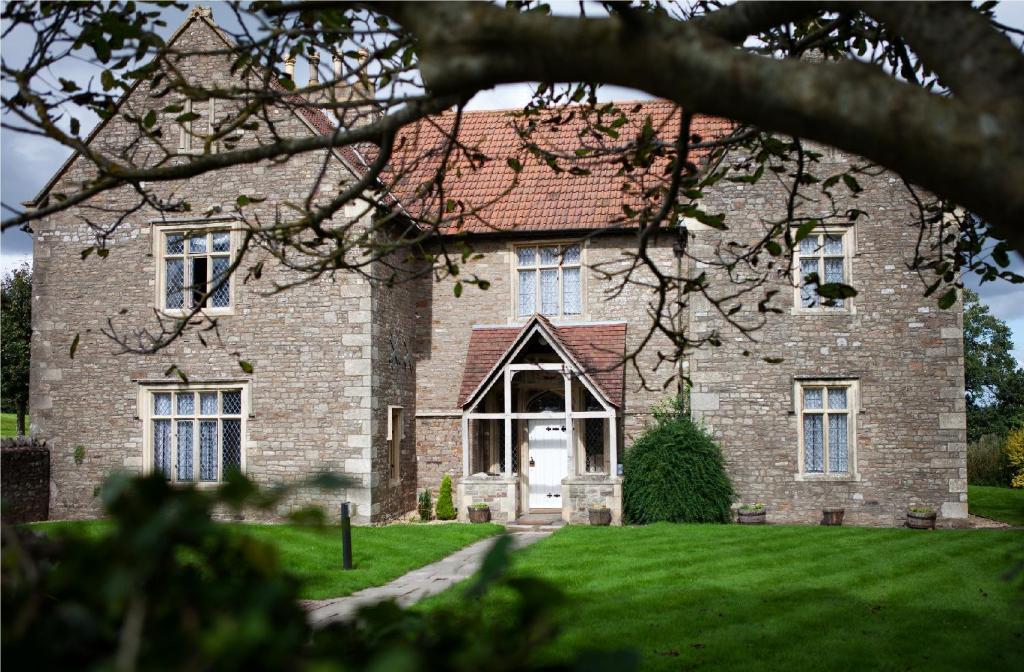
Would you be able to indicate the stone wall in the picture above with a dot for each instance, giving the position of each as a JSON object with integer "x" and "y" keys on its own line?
{"x": 25, "y": 475}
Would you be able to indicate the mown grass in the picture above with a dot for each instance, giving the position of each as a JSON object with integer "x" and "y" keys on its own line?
{"x": 379, "y": 554}
{"x": 9, "y": 424}
{"x": 1005, "y": 504}
{"x": 729, "y": 597}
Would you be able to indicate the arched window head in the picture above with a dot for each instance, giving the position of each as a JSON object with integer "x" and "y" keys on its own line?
{"x": 546, "y": 402}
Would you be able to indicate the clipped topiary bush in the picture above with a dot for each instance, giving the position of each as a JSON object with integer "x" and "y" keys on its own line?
{"x": 445, "y": 508}
{"x": 674, "y": 472}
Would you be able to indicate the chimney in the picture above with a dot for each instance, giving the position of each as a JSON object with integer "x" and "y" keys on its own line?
{"x": 289, "y": 67}
{"x": 314, "y": 67}
{"x": 336, "y": 62}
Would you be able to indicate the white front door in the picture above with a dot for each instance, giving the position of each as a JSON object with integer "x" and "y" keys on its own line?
{"x": 549, "y": 463}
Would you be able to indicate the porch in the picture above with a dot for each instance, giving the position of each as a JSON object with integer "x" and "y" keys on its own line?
{"x": 541, "y": 425}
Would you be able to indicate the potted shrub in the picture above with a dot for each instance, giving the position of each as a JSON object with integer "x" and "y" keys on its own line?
{"x": 599, "y": 514}
{"x": 480, "y": 513}
{"x": 921, "y": 518}
{"x": 832, "y": 515}
{"x": 751, "y": 514}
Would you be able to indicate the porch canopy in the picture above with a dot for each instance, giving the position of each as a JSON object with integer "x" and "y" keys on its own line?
{"x": 571, "y": 374}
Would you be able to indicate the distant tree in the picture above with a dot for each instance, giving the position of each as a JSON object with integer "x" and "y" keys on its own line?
{"x": 15, "y": 334}
{"x": 993, "y": 379}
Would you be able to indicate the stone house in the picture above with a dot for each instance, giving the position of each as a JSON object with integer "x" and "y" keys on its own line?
{"x": 519, "y": 391}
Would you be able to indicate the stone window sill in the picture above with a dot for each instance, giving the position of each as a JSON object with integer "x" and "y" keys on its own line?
{"x": 827, "y": 478}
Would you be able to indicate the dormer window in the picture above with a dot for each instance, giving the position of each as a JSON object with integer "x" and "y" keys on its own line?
{"x": 549, "y": 280}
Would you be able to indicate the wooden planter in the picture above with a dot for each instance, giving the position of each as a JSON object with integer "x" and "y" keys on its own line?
{"x": 479, "y": 515}
{"x": 600, "y": 516}
{"x": 831, "y": 515}
{"x": 921, "y": 521}
{"x": 751, "y": 517}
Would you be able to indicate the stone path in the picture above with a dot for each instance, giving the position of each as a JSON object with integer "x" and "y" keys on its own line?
{"x": 415, "y": 585}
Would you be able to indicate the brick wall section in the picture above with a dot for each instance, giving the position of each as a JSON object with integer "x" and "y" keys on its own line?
{"x": 309, "y": 385}
{"x": 906, "y": 353}
{"x": 25, "y": 487}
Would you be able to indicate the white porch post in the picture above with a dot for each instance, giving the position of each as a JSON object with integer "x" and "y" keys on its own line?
{"x": 465, "y": 445}
{"x": 613, "y": 447}
{"x": 508, "y": 423}
{"x": 567, "y": 377}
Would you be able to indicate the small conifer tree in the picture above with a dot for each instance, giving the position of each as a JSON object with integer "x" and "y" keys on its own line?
{"x": 445, "y": 507}
{"x": 425, "y": 505}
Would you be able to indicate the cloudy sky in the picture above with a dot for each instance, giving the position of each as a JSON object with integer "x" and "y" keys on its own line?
{"x": 26, "y": 162}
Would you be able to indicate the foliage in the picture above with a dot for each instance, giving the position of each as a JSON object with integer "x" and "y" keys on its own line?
{"x": 992, "y": 376}
{"x": 998, "y": 503}
{"x": 675, "y": 472}
{"x": 921, "y": 509}
{"x": 15, "y": 340}
{"x": 986, "y": 462}
{"x": 424, "y": 505}
{"x": 166, "y": 587}
{"x": 79, "y": 454}
{"x": 1014, "y": 451}
{"x": 752, "y": 507}
{"x": 481, "y": 505}
{"x": 445, "y": 507}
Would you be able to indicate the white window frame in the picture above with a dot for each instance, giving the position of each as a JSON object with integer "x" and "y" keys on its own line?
{"x": 849, "y": 251}
{"x": 192, "y": 228}
{"x": 396, "y": 433}
{"x": 514, "y": 278}
{"x": 852, "y": 410}
{"x": 147, "y": 416}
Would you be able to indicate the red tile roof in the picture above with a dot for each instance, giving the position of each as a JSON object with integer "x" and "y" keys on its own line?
{"x": 597, "y": 348}
{"x": 482, "y": 184}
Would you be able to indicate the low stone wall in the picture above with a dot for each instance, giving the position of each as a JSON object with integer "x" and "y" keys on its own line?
{"x": 497, "y": 491}
{"x": 579, "y": 493}
{"x": 24, "y": 480}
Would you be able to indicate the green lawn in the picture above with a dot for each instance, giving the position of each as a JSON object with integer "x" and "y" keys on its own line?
{"x": 9, "y": 424}
{"x": 379, "y": 554}
{"x": 1005, "y": 504}
{"x": 690, "y": 597}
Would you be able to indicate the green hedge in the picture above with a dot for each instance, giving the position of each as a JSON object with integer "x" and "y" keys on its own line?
{"x": 674, "y": 472}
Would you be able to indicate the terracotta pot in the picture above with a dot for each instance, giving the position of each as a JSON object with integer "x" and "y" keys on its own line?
{"x": 479, "y": 515}
{"x": 600, "y": 516}
{"x": 921, "y": 521}
{"x": 831, "y": 515}
{"x": 751, "y": 517}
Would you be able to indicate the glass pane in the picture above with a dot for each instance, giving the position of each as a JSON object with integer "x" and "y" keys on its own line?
{"x": 571, "y": 291}
{"x": 571, "y": 255}
{"x": 198, "y": 280}
{"x": 175, "y": 243}
{"x": 833, "y": 269}
{"x": 208, "y": 450}
{"x": 162, "y": 403}
{"x": 197, "y": 245}
{"x": 527, "y": 256}
{"x": 231, "y": 457}
{"x": 162, "y": 445}
{"x": 527, "y": 293}
{"x": 593, "y": 440}
{"x": 810, "y": 245}
{"x": 834, "y": 245}
{"x": 837, "y": 450}
{"x": 812, "y": 397}
{"x": 549, "y": 292}
{"x": 208, "y": 403}
{"x": 837, "y": 397}
{"x": 232, "y": 403}
{"x": 549, "y": 256}
{"x": 808, "y": 292}
{"x": 186, "y": 403}
{"x": 222, "y": 295}
{"x": 185, "y": 450}
{"x": 222, "y": 241}
{"x": 175, "y": 282}
{"x": 814, "y": 445}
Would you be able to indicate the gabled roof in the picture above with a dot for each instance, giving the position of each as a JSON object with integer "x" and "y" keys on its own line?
{"x": 596, "y": 350}
{"x": 542, "y": 199}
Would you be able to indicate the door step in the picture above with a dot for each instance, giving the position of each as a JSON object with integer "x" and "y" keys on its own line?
{"x": 536, "y": 522}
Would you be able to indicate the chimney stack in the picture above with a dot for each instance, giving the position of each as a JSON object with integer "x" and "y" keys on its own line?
{"x": 337, "y": 63}
{"x": 314, "y": 68}
{"x": 289, "y": 67}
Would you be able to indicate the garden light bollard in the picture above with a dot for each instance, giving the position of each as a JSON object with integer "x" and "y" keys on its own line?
{"x": 346, "y": 537}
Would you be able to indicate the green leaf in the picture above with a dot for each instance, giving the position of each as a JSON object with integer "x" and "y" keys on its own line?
{"x": 74, "y": 346}
{"x": 87, "y": 251}
{"x": 245, "y": 366}
{"x": 107, "y": 80}
{"x": 851, "y": 183}
{"x": 948, "y": 299}
{"x": 804, "y": 230}
{"x": 457, "y": 290}
{"x": 76, "y": 126}
{"x": 773, "y": 248}
{"x": 188, "y": 116}
{"x": 103, "y": 253}
{"x": 514, "y": 164}
{"x": 150, "y": 119}
{"x": 836, "y": 290}
{"x": 242, "y": 201}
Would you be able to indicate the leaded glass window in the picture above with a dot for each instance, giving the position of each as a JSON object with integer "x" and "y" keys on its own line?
{"x": 196, "y": 269}
{"x": 197, "y": 436}
{"x": 825, "y": 428}
{"x": 549, "y": 280}
{"x": 822, "y": 259}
